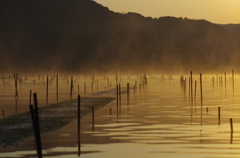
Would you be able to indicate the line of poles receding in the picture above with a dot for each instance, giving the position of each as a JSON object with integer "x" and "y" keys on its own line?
{"x": 192, "y": 98}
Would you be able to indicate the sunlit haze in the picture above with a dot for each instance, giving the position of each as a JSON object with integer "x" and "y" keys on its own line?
{"x": 111, "y": 78}
{"x": 216, "y": 11}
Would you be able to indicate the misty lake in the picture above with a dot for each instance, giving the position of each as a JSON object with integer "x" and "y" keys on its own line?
{"x": 159, "y": 120}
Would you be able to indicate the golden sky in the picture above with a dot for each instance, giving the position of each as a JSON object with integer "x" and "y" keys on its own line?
{"x": 216, "y": 11}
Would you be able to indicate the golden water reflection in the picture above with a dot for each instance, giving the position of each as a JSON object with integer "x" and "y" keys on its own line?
{"x": 159, "y": 122}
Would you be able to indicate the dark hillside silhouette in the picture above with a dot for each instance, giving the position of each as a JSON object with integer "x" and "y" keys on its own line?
{"x": 233, "y": 28}
{"x": 83, "y": 36}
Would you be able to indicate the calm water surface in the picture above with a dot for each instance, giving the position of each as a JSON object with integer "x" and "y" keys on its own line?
{"x": 158, "y": 121}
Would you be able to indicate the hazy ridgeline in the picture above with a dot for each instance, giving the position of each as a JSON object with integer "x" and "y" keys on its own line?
{"x": 82, "y": 36}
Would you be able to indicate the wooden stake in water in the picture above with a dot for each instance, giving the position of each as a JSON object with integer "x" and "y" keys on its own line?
{"x": 79, "y": 126}
{"x": 219, "y": 115}
{"x": 92, "y": 87}
{"x": 57, "y": 87}
{"x": 195, "y": 91}
{"x": 92, "y": 118}
{"x": 128, "y": 93}
{"x": 36, "y": 126}
{"x": 201, "y": 89}
{"x": 79, "y": 112}
{"x": 71, "y": 87}
{"x": 189, "y": 88}
{"x": 191, "y": 83}
{"x": 30, "y": 97}
{"x": 47, "y": 91}
{"x": 120, "y": 97}
{"x": 16, "y": 81}
{"x": 201, "y": 95}
{"x": 233, "y": 79}
{"x": 225, "y": 76}
{"x": 85, "y": 89}
{"x": 117, "y": 94}
{"x": 231, "y": 125}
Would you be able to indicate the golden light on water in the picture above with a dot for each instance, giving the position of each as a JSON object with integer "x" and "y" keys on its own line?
{"x": 160, "y": 119}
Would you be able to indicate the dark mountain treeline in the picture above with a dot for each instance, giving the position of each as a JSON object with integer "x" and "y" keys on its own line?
{"x": 83, "y": 36}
